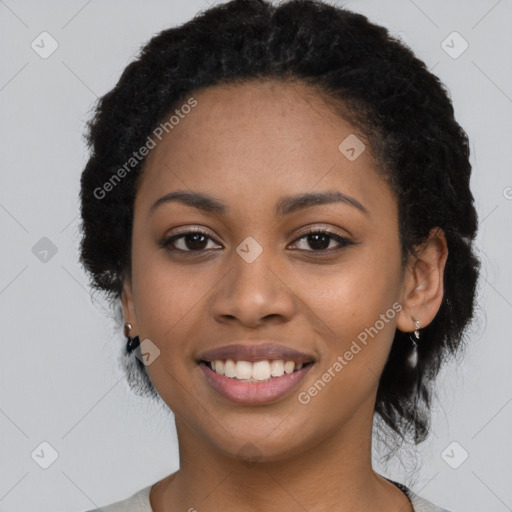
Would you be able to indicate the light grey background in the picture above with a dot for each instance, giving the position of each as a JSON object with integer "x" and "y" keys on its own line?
{"x": 60, "y": 380}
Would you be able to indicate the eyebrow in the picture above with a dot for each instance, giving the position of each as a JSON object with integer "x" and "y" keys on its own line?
{"x": 285, "y": 206}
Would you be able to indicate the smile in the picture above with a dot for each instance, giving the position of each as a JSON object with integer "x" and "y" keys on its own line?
{"x": 264, "y": 389}
{"x": 250, "y": 374}
{"x": 246, "y": 371}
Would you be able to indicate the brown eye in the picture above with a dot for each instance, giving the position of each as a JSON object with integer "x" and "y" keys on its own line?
{"x": 189, "y": 241}
{"x": 319, "y": 240}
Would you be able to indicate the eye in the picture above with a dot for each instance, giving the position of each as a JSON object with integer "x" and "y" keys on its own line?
{"x": 320, "y": 240}
{"x": 188, "y": 241}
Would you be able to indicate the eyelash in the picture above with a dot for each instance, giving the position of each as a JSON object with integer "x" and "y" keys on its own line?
{"x": 167, "y": 242}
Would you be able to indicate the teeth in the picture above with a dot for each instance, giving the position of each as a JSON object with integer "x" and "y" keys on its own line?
{"x": 289, "y": 366}
{"x": 230, "y": 369}
{"x": 261, "y": 370}
{"x": 256, "y": 371}
{"x": 219, "y": 367}
{"x": 243, "y": 370}
{"x": 276, "y": 368}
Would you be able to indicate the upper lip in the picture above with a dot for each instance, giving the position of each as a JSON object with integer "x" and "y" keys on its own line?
{"x": 255, "y": 352}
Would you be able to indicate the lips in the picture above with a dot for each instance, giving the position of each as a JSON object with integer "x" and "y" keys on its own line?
{"x": 259, "y": 352}
{"x": 254, "y": 374}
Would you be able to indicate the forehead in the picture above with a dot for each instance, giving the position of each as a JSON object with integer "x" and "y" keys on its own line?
{"x": 259, "y": 139}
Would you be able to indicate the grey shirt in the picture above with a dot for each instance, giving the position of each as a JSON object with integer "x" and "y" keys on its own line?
{"x": 139, "y": 502}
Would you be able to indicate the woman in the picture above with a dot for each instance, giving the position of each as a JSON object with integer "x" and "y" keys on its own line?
{"x": 279, "y": 198}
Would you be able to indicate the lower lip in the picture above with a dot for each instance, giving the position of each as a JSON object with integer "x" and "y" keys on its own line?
{"x": 254, "y": 393}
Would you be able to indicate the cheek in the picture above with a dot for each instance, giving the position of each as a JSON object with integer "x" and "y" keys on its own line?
{"x": 168, "y": 299}
{"x": 357, "y": 325}
{"x": 164, "y": 283}
{"x": 353, "y": 294}
{"x": 353, "y": 308}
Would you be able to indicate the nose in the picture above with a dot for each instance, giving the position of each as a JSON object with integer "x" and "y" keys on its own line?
{"x": 253, "y": 294}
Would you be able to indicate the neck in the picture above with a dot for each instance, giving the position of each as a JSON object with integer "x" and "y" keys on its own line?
{"x": 334, "y": 473}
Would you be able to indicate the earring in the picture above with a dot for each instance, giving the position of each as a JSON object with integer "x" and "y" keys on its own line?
{"x": 132, "y": 343}
{"x": 413, "y": 356}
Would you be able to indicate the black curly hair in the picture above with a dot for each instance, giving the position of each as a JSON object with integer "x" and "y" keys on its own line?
{"x": 368, "y": 77}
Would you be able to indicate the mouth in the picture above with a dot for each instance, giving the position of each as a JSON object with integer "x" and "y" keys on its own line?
{"x": 257, "y": 371}
{"x": 238, "y": 385}
{"x": 254, "y": 374}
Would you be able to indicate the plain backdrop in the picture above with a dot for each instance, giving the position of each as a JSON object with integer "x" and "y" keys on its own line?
{"x": 60, "y": 380}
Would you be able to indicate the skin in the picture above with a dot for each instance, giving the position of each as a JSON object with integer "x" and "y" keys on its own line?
{"x": 242, "y": 144}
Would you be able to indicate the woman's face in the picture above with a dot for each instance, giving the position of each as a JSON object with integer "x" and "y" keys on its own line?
{"x": 253, "y": 283}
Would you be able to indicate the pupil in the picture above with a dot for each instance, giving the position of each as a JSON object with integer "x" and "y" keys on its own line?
{"x": 192, "y": 241}
{"x": 314, "y": 239}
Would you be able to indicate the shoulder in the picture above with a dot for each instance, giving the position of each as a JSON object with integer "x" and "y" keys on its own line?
{"x": 422, "y": 505}
{"x": 139, "y": 502}
{"x": 419, "y": 504}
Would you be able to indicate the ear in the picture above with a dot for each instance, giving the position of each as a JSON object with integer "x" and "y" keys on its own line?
{"x": 423, "y": 287}
{"x": 128, "y": 305}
